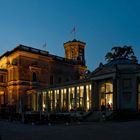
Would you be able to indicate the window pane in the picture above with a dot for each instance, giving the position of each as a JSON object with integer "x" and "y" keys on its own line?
{"x": 109, "y": 87}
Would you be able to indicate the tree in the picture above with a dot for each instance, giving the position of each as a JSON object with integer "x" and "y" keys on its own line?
{"x": 121, "y": 52}
{"x": 109, "y": 56}
{"x": 128, "y": 51}
{"x": 117, "y": 51}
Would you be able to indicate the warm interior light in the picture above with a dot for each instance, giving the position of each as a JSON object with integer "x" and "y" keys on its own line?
{"x": 1, "y": 92}
{"x": 44, "y": 105}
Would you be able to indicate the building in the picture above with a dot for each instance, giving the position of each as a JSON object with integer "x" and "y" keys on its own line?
{"x": 115, "y": 85}
{"x": 65, "y": 97}
{"x": 34, "y": 80}
{"x": 25, "y": 68}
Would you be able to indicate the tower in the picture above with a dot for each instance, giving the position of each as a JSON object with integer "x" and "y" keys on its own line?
{"x": 75, "y": 50}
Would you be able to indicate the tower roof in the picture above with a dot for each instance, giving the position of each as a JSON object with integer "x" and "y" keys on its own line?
{"x": 75, "y": 41}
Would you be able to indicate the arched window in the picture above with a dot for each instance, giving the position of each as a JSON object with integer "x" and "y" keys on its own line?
{"x": 34, "y": 77}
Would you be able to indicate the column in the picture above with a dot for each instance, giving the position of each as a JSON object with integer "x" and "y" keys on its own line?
{"x": 115, "y": 94}
{"x": 85, "y": 97}
{"x": 60, "y": 100}
{"x": 67, "y": 99}
{"x": 47, "y": 102}
{"x": 94, "y": 96}
{"x": 75, "y": 98}
{"x": 53, "y": 101}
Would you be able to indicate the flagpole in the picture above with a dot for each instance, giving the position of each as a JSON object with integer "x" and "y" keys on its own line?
{"x": 44, "y": 46}
{"x": 74, "y": 34}
{"x": 73, "y": 31}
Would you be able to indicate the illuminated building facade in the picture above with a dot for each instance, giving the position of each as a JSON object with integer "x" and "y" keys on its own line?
{"x": 115, "y": 85}
{"x": 34, "y": 80}
{"x": 25, "y": 68}
{"x": 63, "y": 98}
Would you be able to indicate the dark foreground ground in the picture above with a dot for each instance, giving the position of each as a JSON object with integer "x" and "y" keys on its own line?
{"x": 84, "y": 131}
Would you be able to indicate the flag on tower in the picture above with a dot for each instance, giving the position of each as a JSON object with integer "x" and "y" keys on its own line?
{"x": 73, "y": 30}
{"x": 44, "y": 45}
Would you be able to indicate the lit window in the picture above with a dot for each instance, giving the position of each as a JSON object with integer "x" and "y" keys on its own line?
{"x": 72, "y": 98}
{"x": 81, "y": 91}
{"x": 109, "y": 87}
{"x": 44, "y": 101}
{"x": 88, "y": 97}
{"x": 106, "y": 95}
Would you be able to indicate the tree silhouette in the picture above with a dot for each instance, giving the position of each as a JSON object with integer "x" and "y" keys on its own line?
{"x": 121, "y": 52}
{"x": 109, "y": 56}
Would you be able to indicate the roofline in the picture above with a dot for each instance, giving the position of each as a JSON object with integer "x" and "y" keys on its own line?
{"x": 25, "y": 48}
{"x": 21, "y": 47}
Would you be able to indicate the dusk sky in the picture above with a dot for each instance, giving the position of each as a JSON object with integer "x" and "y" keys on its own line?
{"x": 102, "y": 24}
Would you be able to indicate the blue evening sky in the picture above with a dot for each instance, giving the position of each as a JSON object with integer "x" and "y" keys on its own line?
{"x": 102, "y": 24}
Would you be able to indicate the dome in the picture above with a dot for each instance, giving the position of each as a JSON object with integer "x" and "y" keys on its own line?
{"x": 119, "y": 61}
